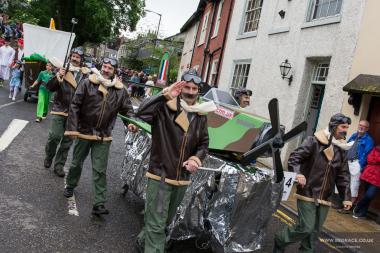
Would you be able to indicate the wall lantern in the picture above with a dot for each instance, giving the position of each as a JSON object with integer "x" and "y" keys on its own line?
{"x": 282, "y": 14}
{"x": 285, "y": 68}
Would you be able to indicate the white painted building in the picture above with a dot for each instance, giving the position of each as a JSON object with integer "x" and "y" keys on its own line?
{"x": 318, "y": 38}
{"x": 189, "y": 29}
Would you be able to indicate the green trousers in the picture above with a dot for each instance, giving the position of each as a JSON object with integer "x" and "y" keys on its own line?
{"x": 310, "y": 223}
{"x": 43, "y": 102}
{"x": 56, "y": 137}
{"x": 99, "y": 159}
{"x": 153, "y": 234}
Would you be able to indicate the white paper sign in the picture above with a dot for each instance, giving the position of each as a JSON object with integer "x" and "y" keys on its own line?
{"x": 46, "y": 42}
{"x": 289, "y": 178}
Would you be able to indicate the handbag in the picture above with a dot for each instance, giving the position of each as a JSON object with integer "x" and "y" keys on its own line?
{"x": 354, "y": 167}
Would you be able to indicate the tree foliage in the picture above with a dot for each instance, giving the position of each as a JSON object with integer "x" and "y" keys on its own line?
{"x": 98, "y": 19}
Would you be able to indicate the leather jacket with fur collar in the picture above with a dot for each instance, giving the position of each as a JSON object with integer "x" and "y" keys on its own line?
{"x": 175, "y": 138}
{"x": 94, "y": 109}
{"x": 324, "y": 167}
{"x": 64, "y": 91}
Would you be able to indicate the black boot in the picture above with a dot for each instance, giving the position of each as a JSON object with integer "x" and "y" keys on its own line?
{"x": 139, "y": 246}
{"x": 59, "y": 172}
{"x": 68, "y": 192}
{"x": 277, "y": 249}
{"x": 100, "y": 209}
{"x": 47, "y": 163}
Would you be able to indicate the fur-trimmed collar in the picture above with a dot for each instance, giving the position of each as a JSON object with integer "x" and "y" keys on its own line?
{"x": 69, "y": 77}
{"x": 172, "y": 104}
{"x": 118, "y": 84}
{"x": 323, "y": 137}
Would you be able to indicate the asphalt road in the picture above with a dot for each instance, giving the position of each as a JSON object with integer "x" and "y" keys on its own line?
{"x": 34, "y": 213}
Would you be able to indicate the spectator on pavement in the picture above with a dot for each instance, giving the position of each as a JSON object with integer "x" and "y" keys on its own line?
{"x": 15, "y": 82}
{"x": 149, "y": 91}
{"x": 7, "y": 55}
{"x": 371, "y": 178}
{"x": 134, "y": 88}
{"x": 357, "y": 156}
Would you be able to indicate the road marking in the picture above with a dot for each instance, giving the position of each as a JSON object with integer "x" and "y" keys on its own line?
{"x": 14, "y": 128}
{"x": 289, "y": 221}
{"x": 11, "y": 103}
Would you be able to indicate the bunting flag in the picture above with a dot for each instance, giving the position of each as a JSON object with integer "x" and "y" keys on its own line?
{"x": 164, "y": 68}
{"x": 52, "y": 24}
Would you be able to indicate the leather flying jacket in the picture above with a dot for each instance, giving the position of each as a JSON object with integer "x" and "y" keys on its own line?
{"x": 175, "y": 139}
{"x": 323, "y": 169}
{"x": 94, "y": 109}
{"x": 65, "y": 90}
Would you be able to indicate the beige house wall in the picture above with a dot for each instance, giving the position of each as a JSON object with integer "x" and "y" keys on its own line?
{"x": 366, "y": 58}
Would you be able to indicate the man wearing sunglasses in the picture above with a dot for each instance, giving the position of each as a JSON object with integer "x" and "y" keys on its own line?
{"x": 243, "y": 97}
{"x": 179, "y": 144}
{"x": 92, "y": 116}
{"x": 64, "y": 85}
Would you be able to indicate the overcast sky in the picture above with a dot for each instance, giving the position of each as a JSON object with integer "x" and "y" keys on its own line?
{"x": 174, "y": 14}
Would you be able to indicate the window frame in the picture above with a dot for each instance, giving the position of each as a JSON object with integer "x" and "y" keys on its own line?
{"x": 234, "y": 64}
{"x": 213, "y": 71}
{"x": 218, "y": 19}
{"x": 311, "y": 12}
{"x": 202, "y": 35}
{"x": 253, "y": 33}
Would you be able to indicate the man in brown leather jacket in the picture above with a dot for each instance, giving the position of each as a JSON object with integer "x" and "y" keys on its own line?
{"x": 179, "y": 144}
{"x": 320, "y": 163}
{"x": 64, "y": 85}
{"x": 93, "y": 111}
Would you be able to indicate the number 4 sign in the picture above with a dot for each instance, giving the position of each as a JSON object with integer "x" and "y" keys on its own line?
{"x": 289, "y": 178}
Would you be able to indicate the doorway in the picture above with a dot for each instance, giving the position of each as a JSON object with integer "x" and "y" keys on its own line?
{"x": 374, "y": 131}
{"x": 317, "y": 91}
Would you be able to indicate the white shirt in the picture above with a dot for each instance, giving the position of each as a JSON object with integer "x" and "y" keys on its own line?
{"x": 20, "y": 54}
{"x": 7, "y": 54}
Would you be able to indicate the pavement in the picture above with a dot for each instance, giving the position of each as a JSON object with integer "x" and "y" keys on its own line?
{"x": 35, "y": 215}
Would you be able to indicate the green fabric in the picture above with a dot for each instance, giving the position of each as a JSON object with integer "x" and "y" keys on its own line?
{"x": 310, "y": 223}
{"x": 43, "y": 101}
{"x": 153, "y": 234}
{"x": 44, "y": 76}
{"x": 56, "y": 137}
{"x": 99, "y": 159}
{"x": 35, "y": 57}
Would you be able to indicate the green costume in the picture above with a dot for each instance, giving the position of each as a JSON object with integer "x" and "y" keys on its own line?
{"x": 99, "y": 159}
{"x": 153, "y": 234}
{"x": 310, "y": 223}
{"x": 43, "y": 93}
{"x": 56, "y": 131}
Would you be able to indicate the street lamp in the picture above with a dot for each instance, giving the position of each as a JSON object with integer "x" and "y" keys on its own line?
{"x": 159, "y": 21}
{"x": 285, "y": 68}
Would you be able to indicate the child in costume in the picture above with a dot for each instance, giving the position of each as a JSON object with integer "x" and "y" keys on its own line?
{"x": 15, "y": 82}
{"x": 43, "y": 92}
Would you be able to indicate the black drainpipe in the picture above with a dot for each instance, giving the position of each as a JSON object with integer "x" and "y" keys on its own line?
{"x": 207, "y": 50}
{"x": 224, "y": 42}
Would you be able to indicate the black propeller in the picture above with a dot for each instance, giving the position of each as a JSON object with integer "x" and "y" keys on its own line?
{"x": 275, "y": 142}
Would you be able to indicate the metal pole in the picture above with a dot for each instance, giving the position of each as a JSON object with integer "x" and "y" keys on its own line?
{"x": 74, "y": 21}
{"x": 158, "y": 28}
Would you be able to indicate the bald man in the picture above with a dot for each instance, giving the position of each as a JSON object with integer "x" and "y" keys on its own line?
{"x": 357, "y": 155}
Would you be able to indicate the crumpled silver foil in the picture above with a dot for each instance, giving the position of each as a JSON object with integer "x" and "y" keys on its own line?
{"x": 230, "y": 208}
{"x": 136, "y": 162}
